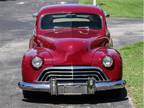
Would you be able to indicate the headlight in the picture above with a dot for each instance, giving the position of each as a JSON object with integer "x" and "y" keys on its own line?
{"x": 37, "y": 62}
{"x": 107, "y": 61}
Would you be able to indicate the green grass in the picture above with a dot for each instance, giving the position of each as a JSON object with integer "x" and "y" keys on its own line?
{"x": 133, "y": 63}
{"x": 120, "y": 8}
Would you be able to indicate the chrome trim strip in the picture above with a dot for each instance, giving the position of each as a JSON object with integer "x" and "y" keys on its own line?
{"x": 99, "y": 86}
{"x": 55, "y": 75}
{"x": 34, "y": 87}
{"x": 72, "y": 68}
{"x": 110, "y": 85}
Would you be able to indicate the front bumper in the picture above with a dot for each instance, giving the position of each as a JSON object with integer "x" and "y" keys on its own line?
{"x": 72, "y": 88}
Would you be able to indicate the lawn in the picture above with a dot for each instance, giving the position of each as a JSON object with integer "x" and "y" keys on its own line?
{"x": 133, "y": 63}
{"x": 120, "y": 8}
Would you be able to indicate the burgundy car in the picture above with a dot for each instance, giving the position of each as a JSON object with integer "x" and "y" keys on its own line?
{"x": 70, "y": 54}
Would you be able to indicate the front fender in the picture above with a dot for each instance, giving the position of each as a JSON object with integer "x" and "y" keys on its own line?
{"x": 115, "y": 72}
{"x": 29, "y": 74}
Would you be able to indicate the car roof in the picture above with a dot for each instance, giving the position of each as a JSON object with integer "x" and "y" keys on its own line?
{"x": 70, "y": 8}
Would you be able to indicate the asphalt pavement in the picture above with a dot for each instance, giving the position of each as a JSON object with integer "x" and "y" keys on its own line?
{"x": 16, "y": 25}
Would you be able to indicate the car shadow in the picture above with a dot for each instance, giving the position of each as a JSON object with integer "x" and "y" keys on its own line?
{"x": 99, "y": 97}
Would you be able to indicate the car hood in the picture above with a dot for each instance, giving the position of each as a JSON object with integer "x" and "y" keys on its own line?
{"x": 72, "y": 51}
{"x": 72, "y": 33}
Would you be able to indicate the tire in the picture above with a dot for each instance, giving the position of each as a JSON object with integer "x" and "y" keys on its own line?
{"x": 120, "y": 93}
{"x": 35, "y": 95}
{"x": 29, "y": 94}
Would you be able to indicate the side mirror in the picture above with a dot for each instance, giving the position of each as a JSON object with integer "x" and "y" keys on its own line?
{"x": 34, "y": 15}
{"x": 107, "y": 14}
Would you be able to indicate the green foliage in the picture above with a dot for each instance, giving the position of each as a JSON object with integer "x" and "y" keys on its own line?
{"x": 133, "y": 69}
{"x": 122, "y": 8}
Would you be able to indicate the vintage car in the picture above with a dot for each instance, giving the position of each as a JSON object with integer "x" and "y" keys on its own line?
{"x": 70, "y": 53}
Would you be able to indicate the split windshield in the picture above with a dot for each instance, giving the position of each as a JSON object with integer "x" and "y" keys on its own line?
{"x": 71, "y": 20}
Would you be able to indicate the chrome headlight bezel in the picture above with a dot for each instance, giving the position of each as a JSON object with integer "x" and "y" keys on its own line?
{"x": 37, "y": 62}
{"x": 107, "y": 61}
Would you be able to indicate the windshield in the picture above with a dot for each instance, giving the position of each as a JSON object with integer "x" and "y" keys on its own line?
{"x": 71, "y": 20}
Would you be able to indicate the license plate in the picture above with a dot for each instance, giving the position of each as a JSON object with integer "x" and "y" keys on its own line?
{"x": 72, "y": 89}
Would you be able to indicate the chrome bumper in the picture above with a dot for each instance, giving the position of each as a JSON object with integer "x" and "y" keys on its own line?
{"x": 57, "y": 89}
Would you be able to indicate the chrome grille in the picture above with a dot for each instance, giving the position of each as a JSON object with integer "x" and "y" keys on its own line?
{"x": 72, "y": 74}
